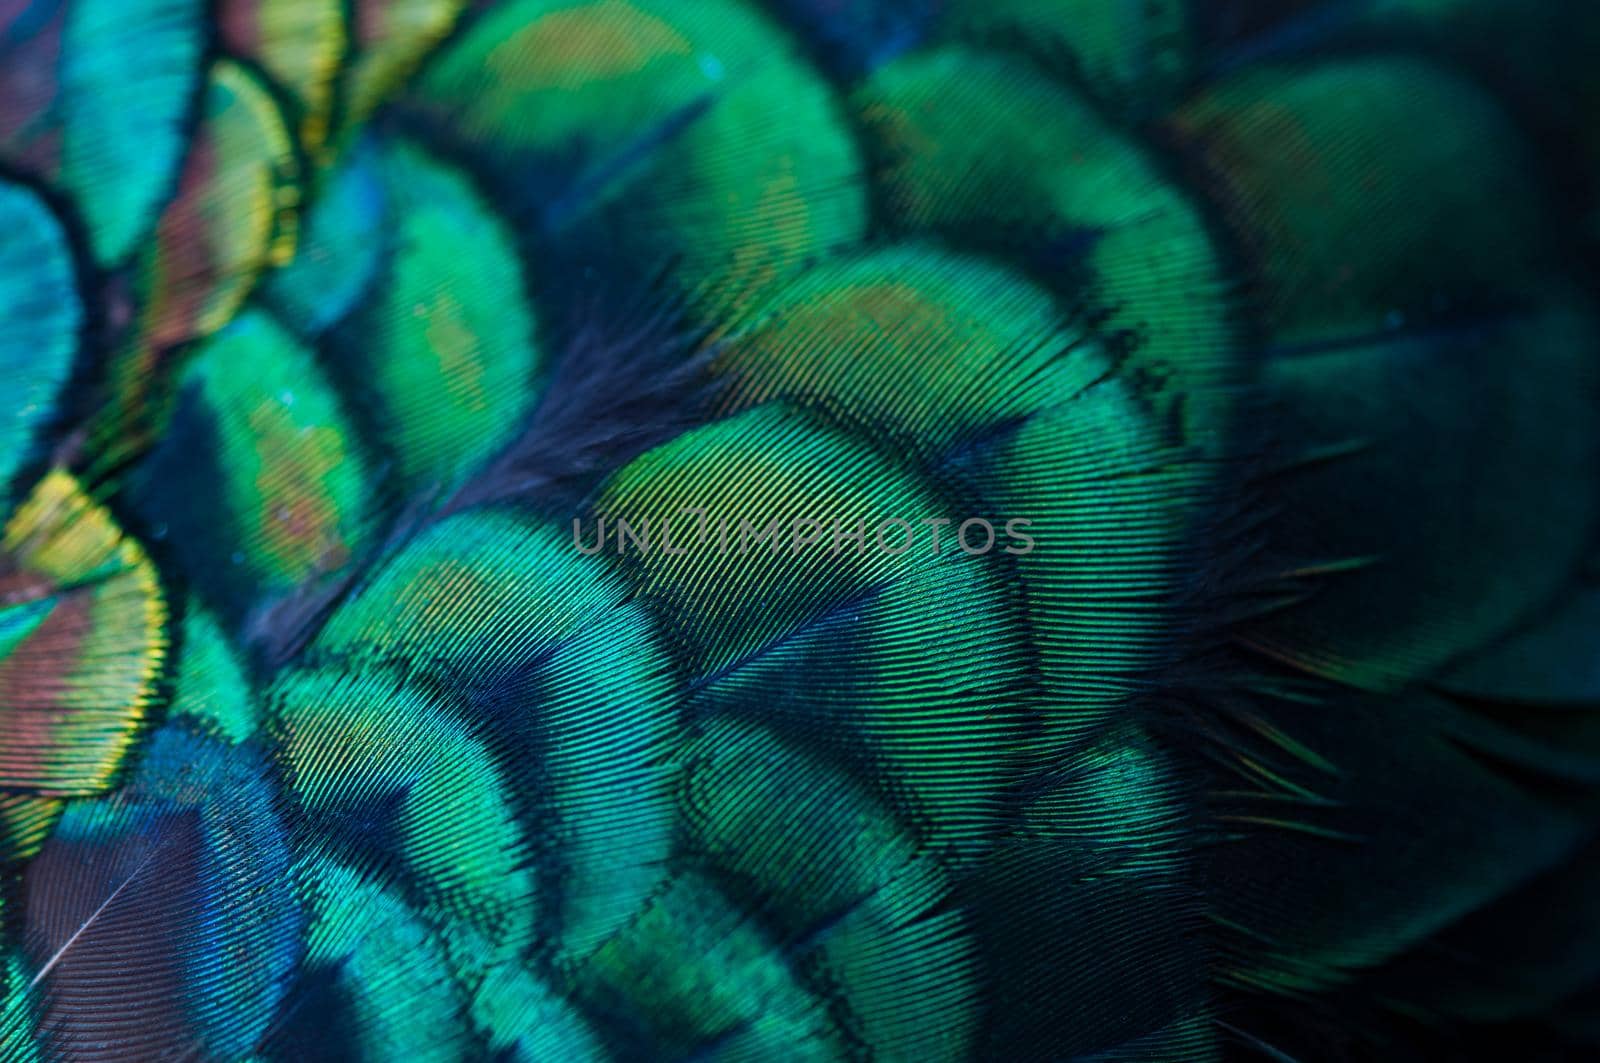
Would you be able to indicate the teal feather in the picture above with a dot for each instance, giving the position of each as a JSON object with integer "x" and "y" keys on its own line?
{"x": 41, "y": 317}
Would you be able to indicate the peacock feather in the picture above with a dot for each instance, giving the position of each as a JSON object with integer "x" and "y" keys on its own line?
{"x": 755, "y": 530}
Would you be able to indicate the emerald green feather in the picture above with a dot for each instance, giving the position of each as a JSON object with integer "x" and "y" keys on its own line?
{"x": 653, "y": 123}
{"x": 395, "y": 777}
{"x": 444, "y": 354}
{"x": 260, "y": 482}
{"x": 1136, "y": 55}
{"x": 528, "y": 633}
{"x": 978, "y": 374}
{"x": 749, "y": 620}
{"x": 693, "y": 969}
{"x": 1368, "y": 191}
{"x": 212, "y": 684}
{"x": 525, "y": 1020}
{"x": 386, "y": 988}
{"x": 834, "y": 868}
{"x": 994, "y": 155}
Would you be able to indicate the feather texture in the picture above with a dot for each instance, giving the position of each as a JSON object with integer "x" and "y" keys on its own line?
{"x": 782, "y": 529}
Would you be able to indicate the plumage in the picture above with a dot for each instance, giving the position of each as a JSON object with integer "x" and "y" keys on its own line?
{"x": 636, "y": 136}
{"x": 96, "y": 104}
{"x": 445, "y": 352}
{"x": 782, "y": 529}
{"x": 993, "y": 154}
{"x": 41, "y": 316}
{"x": 288, "y": 496}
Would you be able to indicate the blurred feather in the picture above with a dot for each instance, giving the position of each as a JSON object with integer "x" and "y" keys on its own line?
{"x": 97, "y": 97}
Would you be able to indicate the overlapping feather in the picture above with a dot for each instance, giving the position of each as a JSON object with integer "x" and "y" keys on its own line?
{"x": 337, "y": 335}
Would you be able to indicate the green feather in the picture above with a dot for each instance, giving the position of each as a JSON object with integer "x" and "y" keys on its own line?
{"x": 1136, "y": 55}
{"x": 212, "y": 685}
{"x": 1458, "y": 466}
{"x": 444, "y": 354}
{"x": 824, "y": 856}
{"x": 1367, "y": 191}
{"x": 655, "y": 119}
{"x": 393, "y": 774}
{"x": 386, "y": 966}
{"x": 748, "y": 623}
{"x": 260, "y": 482}
{"x": 992, "y": 154}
